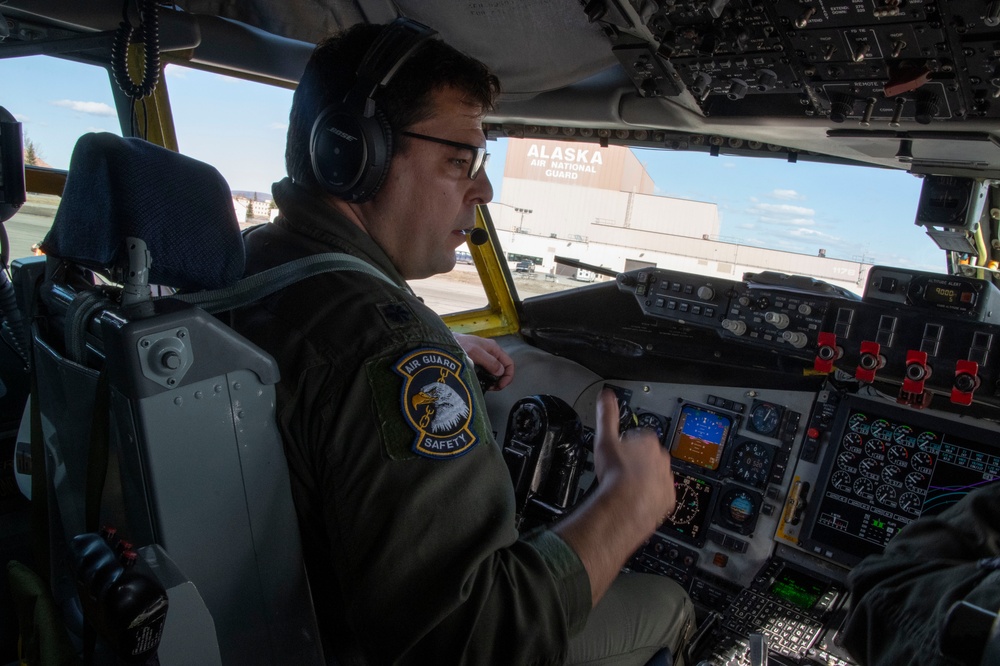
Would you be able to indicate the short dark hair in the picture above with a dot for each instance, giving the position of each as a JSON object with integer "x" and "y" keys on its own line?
{"x": 331, "y": 73}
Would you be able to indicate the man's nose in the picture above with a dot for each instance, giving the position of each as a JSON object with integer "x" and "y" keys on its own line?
{"x": 482, "y": 189}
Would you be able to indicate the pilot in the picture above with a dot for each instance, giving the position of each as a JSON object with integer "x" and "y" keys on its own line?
{"x": 404, "y": 501}
{"x": 901, "y": 598}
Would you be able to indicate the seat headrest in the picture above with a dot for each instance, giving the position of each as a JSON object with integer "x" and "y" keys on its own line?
{"x": 180, "y": 207}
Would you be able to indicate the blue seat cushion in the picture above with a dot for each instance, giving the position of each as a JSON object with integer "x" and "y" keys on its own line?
{"x": 182, "y": 208}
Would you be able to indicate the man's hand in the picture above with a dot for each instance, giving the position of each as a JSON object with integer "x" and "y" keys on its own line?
{"x": 635, "y": 458}
{"x": 487, "y": 354}
{"x": 635, "y": 494}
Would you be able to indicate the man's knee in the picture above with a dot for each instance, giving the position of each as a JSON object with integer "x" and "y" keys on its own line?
{"x": 665, "y": 605}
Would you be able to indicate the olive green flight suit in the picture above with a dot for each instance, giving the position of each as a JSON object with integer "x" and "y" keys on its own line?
{"x": 404, "y": 501}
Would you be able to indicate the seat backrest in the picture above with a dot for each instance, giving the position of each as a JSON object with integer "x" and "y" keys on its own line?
{"x": 196, "y": 470}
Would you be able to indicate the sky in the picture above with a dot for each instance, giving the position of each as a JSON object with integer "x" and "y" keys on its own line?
{"x": 239, "y": 127}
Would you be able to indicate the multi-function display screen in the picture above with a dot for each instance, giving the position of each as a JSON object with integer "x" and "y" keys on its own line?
{"x": 700, "y": 436}
{"x": 886, "y": 467}
{"x": 694, "y": 500}
{"x": 797, "y": 588}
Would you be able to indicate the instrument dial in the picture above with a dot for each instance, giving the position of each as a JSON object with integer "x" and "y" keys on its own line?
{"x": 910, "y": 503}
{"x": 848, "y": 462}
{"x": 854, "y": 442}
{"x": 875, "y": 449}
{"x": 841, "y": 481}
{"x": 886, "y": 495}
{"x": 881, "y": 429}
{"x": 915, "y": 482}
{"x": 687, "y": 505}
{"x": 929, "y": 442}
{"x": 892, "y": 475}
{"x": 739, "y": 509}
{"x": 864, "y": 488}
{"x": 858, "y": 423}
{"x": 765, "y": 418}
{"x": 752, "y": 463}
{"x": 870, "y": 468}
{"x": 922, "y": 462}
{"x": 903, "y": 434}
{"x": 653, "y": 422}
{"x": 898, "y": 455}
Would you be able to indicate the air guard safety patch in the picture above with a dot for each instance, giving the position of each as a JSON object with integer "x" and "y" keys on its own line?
{"x": 437, "y": 403}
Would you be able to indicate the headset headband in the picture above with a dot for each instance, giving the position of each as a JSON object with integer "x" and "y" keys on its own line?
{"x": 393, "y": 46}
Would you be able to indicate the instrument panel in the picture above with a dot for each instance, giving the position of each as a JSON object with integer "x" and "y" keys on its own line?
{"x": 779, "y": 494}
{"x": 807, "y": 426}
{"x": 930, "y": 335}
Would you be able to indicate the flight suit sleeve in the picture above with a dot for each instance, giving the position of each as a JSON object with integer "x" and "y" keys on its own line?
{"x": 900, "y": 599}
{"x": 420, "y": 511}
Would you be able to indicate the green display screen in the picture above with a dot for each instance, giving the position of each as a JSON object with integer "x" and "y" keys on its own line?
{"x": 797, "y": 588}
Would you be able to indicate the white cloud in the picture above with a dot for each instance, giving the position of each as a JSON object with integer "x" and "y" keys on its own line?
{"x": 284, "y": 126}
{"x": 92, "y": 108}
{"x": 784, "y": 209}
{"x": 176, "y": 72}
{"x": 786, "y": 195}
{"x": 21, "y": 118}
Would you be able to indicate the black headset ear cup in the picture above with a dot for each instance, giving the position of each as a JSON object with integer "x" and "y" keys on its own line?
{"x": 350, "y": 153}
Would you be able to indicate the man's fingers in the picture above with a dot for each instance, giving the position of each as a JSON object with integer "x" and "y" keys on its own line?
{"x": 607, "y": 413}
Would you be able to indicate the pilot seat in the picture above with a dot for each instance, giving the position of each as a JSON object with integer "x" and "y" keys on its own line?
{"x": 155, "y": 452}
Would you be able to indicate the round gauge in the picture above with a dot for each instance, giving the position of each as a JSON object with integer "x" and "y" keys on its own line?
{"x": 903, "y": 434}
{"x": 875, "y": 449}
{"x": 915, "y": 482}
{"x": 687, "y": 505}
{"x": 892, "y": 475}
{"x": 898, "y": 455}
{"x": 841, "y": 480}
{"x": 527, "y": 422}
{"x": 864, "y": 488}
{"x": 653, "y": 422}
{"x": 922, "y": 462}
{"x": 765, "y": 418}
{"x": 886, "y": 495}
{"x": 928, "y": 441}
{"x": 870, "y": 468}
{"x": 910, "y": 502}
{"x": 853, "y": 442}
{"x": 848, "y": 462}
{"x": 739, "y": 509}
{"x": 882, "y": 429}
{"x": 752, "y": 463}
{"x": 858, "y": 423}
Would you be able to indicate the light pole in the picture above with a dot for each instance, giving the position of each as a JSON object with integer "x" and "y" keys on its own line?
{"x": 523, "y": 212}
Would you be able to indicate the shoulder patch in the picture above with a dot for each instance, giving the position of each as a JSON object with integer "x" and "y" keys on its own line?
{"x": 436, "y": 403}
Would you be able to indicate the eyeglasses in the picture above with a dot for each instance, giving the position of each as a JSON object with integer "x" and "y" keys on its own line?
{"x": 479, "y": 155}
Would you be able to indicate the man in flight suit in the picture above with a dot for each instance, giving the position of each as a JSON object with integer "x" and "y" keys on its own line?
{"x": 405, "y": 504}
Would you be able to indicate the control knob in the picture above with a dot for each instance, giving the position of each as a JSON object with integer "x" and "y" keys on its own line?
{"x": 777, "y": 319}
{"x": 796, "y": 339}
{"x": 734, "y": 326}
{"x": 706, "y": 293}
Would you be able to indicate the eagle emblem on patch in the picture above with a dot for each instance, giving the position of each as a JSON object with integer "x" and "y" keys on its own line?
{"x": 436, "y": 402}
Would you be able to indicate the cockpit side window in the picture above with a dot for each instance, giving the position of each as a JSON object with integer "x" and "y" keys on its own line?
{"x": 56, "y": 101}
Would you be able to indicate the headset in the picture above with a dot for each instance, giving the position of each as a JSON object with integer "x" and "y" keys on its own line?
{"x": 351, "y": 142}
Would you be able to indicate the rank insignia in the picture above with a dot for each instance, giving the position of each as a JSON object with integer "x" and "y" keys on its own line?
{"x": 436, "y": 402}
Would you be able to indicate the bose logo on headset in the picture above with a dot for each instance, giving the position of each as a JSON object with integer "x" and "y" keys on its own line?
{"x": 351, "y": 142}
